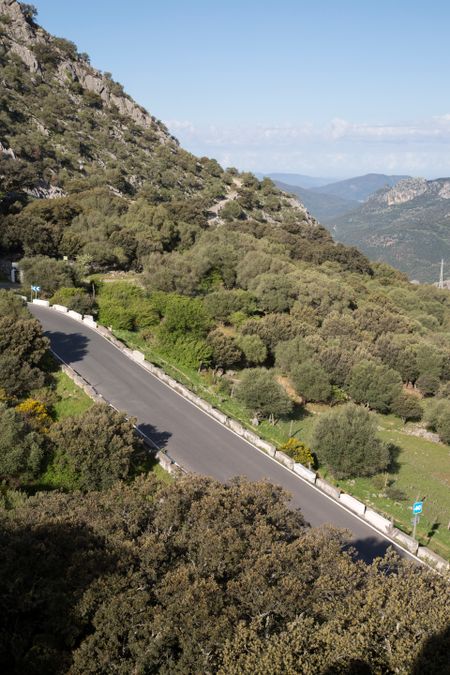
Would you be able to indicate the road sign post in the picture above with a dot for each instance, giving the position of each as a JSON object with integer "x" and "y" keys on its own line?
{"x": 34, "y": 289}
{"x": 417, "y": 510}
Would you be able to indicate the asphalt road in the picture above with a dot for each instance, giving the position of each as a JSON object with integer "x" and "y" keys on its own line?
{"x": 192, "y": 438}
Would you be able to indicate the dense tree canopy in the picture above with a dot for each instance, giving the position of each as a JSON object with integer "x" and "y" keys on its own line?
{"x": 96, "y": 449}
{"x": 203, "y": 577}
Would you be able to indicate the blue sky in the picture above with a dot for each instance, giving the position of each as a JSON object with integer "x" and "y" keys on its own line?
{"x": 330, "y": 88}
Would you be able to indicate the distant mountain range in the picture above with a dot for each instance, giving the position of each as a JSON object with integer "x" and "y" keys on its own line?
{"x": 296, "y": 179}
{"x": 333, "y": 200}
{"x": 407, "y": 226}
{"x": 325, "y": 207}
{"x": 400, "y": 220}
{"x": 360, "y": 188}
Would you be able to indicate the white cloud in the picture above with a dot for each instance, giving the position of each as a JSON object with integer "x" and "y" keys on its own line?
{"x": 336, "y": 148}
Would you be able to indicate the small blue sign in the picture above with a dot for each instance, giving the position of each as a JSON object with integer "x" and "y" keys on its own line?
{"x": 36, "y": 288}
{"x": 417, "y": 507}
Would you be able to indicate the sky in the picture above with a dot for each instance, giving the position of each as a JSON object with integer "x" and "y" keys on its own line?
{"x": 330, "y": 88}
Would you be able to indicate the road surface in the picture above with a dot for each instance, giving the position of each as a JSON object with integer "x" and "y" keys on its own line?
{"x": 195, "y": 440}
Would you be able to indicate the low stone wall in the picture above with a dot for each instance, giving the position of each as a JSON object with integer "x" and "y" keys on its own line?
{"x": 434, "y": 560}
{"x": 60, "y": 308}
{"x": 353, "y": 504}
{"x": 406, "y": 541}
{"x": 75, "y": 315}
{"x": 378, "y": 521}
{"x": 81, "y": 382}
{"x": 42, "y": 303}
{"x": 284, "y": 459}
{"x": 330, "y": 490}
{"x": 305, "y": 473}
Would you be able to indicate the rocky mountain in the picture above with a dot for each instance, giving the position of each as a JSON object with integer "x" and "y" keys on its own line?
{"x": 360, "y": 187}
{"x": 85, "y": 171}
{"x": 324, "y": 207}
{"x": 407, "y": 226}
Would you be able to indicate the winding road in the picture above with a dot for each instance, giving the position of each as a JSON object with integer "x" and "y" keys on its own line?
{"x": 195, "y": 440}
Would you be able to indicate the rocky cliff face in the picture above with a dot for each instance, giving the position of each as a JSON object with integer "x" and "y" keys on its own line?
{"x": 23, "y": 37}
{"x": 409, "y": 189}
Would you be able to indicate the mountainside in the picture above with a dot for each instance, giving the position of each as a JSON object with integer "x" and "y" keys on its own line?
{"x": 407, "y": 226}
{"x": 360, "y": 187}
{"x": 324, "y": 207}
{"x": 124, "y": 187}
{"x": 297, "y": 179}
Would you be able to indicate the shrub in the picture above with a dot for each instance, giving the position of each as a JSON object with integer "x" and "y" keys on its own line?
{"x": 225, "y": 352}
{"x": 95, "y": 449}
{"x": 76, "y": 299}
{"x": 254, "y": 349}
{"x": 428, "y": 384}
{"x": 231, "y": 211}
{"x": 21, "y": 449}
{"x": 48, "y": 273}
{"x": 346, "y": 440}
{"x": 311, "y": 381}
{"x": 35, "y": 414}
{"x": 298, "y": 451}
{"x": 407, "y": 407}
{"x": 115, "y": 315}
{"x": 262, "y": 395}
{"x": 374, "y": 385}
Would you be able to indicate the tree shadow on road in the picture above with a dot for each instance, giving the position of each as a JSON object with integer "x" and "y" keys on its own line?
{"x": 71, "y": 347}
{"x": 369, "y": 548}
{"x": 158, "y": 437}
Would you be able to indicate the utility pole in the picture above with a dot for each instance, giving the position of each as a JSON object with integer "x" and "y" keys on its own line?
{"x": 441, "y": 277}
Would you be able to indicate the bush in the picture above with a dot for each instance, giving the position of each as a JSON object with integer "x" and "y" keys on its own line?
{"x": 437, "y": 418}
{"x": 311, "y": 381}
{"x": 183, "y": 318}
{"x": 262, "y": 395}
{"x": 374, "y": 385}
{"x": 115, "y": 315}
{"x": 427, "y": 384}
{"x": 407, "y": 407}
{"x": 95, "y": 449}
{"x": 289, "y": 354}
{"x": 76, "y": 299}
{"x": 231, "y": 211}
{"x": 21, "y": 448}
{"x": 254, "y": 349}
{"x": 225, "y": 352}
{"x": 298, "y": 451}
{"x": 346, "y": 440}
{"x": 22, "y": 349}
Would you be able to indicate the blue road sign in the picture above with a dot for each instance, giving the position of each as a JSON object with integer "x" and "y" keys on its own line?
{"x": 36, "y": 288}
{"x": 417, "y": 507}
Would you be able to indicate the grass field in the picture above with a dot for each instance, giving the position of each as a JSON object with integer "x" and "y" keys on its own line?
{"x": 71, "y": 399}
{"x": 421, "y": 467}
